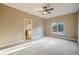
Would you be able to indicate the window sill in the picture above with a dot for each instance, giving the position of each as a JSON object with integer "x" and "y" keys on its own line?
{"x": 58, "y": 33}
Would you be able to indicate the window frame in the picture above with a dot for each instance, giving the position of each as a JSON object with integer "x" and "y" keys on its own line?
{"x": 58, "y": 33}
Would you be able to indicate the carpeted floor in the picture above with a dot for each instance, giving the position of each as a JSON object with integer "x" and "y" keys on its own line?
{"x": 50, "y": 46}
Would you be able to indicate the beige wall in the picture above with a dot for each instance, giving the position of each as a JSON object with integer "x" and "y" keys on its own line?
{"x": 70, "y": 23}
{"x": 37, "y": 28}
{"x": 12, "y": 25}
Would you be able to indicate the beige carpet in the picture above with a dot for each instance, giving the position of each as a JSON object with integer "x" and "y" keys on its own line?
{"x": 50, "y": 46}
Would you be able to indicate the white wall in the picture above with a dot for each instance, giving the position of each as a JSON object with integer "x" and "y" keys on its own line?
{"x": 78, "y": 27}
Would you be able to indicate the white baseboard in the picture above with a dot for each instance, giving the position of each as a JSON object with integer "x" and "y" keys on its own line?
{"x": 13, "y": 49}
{"x": 18, "y": 41}
{"x": 37, "y": 37}
{"x": 10, "y": 43}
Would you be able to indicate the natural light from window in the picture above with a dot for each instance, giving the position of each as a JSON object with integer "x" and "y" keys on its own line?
{"x": 58, "y": 28}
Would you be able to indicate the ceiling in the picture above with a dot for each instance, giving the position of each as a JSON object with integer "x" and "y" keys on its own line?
{"x": 59, "y": 8}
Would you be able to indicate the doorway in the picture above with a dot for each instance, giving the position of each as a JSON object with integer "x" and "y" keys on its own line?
{"x": 27, "y": 28}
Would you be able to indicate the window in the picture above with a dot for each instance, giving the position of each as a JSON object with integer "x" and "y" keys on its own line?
{"x": 58, "y": 28}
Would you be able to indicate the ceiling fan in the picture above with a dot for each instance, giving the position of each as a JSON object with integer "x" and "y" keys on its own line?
{"x": 45, "y": 10}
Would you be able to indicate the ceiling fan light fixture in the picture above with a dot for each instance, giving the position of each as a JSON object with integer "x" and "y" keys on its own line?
{"x": 45, "y": 10}
{"x": 44, "y": 13}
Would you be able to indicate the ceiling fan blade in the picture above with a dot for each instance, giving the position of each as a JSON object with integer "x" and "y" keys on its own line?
{"x": 50, "y": 9}
{"x": 49, "y": 12}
